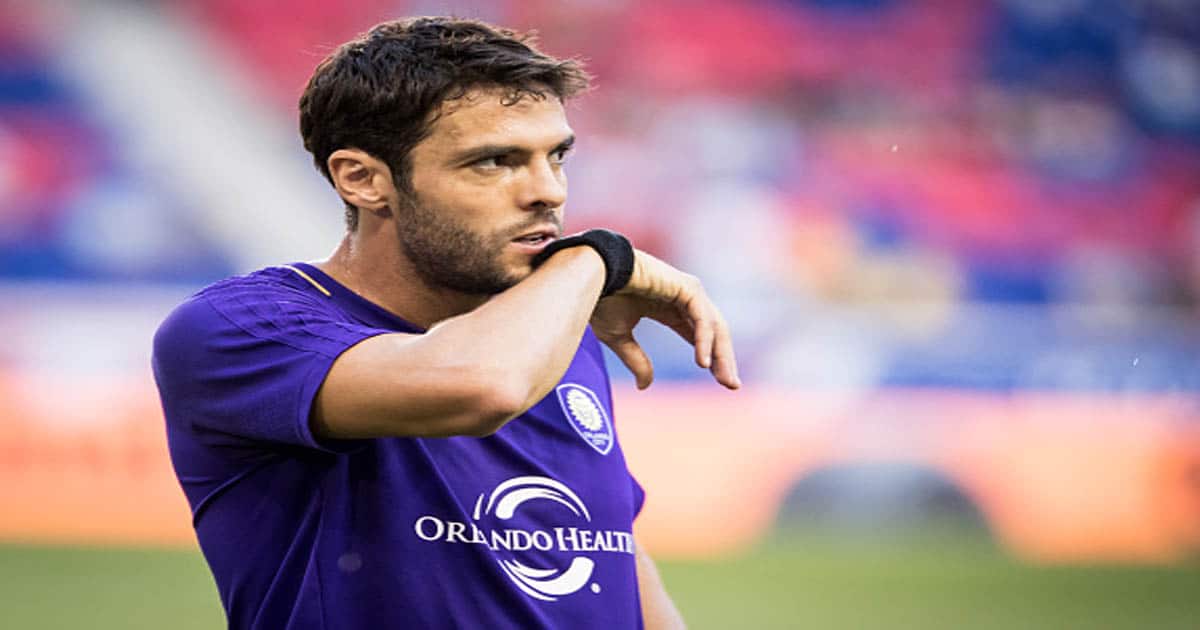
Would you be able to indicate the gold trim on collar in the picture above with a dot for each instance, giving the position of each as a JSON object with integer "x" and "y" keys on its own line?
{"x": 310, "y": 280}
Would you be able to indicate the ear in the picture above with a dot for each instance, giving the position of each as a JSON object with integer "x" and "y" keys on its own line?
{"x": 362, "y": 180}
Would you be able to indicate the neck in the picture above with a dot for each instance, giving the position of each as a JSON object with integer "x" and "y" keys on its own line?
{"x": 378, "y": 270}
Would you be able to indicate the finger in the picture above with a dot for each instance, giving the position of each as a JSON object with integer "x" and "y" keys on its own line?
{"x": 630, "y": 352}
{"x": 702, "y": 326}
{"x": 684, "y": 329}
{"x": 724, "y": 367}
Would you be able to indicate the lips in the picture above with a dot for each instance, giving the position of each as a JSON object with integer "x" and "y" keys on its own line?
{"x": 534, "y": 239}
{"x": 537, "y": 237}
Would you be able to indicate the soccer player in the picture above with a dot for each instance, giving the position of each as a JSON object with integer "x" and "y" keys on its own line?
{"x": 417, "y": 432}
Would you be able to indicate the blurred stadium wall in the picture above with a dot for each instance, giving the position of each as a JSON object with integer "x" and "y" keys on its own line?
{"x": 958, "y": 242}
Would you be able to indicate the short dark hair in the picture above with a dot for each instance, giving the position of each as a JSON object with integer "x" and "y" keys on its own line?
{"x": 380, "y": 92}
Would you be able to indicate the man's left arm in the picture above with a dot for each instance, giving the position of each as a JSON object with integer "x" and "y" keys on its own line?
{"x": 658, "y": 611}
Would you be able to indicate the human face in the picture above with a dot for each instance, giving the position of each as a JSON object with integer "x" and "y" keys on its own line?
{"x": 488, "y": 191}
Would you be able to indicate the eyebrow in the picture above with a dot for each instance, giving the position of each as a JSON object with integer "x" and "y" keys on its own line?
{"x": 485, "y": 151}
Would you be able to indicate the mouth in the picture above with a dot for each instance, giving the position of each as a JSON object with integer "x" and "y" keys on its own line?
{"x": 536, "y": 239}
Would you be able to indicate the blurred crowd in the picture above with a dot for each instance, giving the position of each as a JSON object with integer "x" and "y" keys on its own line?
{"x": 996, "y": 194}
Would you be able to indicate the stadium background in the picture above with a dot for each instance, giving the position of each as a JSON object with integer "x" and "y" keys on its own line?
{"x": 958, "y": 243}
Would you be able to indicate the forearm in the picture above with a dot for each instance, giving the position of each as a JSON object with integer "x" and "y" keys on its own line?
{"x": 658, "y": 611}
{"x": 524, "y": 339}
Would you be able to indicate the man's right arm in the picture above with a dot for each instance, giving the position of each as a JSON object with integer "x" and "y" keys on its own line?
{"x": 472, "y": 373}
{"x": 469, "y": 374}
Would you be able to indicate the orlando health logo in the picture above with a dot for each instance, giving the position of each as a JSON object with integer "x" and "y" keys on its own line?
{"x": 509, "y": 545}
{"x": 586, "y": 415}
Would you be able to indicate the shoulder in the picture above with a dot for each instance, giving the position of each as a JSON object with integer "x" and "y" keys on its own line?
{"x": 268, "y": 303}
{"x": 248, "y": 301}
{"x": 272, "y": 304}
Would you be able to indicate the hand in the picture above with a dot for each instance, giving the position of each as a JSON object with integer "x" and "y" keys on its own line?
{"x": 675, "y": 299}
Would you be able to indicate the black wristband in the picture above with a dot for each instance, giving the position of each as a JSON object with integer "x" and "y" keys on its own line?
{"x": 614, "y": 249}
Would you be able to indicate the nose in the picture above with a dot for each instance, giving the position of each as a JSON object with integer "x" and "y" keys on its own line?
{"x": 544, "y": 186}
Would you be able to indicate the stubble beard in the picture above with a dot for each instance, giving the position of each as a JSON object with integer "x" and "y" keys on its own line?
{"x": 449, "y": 255}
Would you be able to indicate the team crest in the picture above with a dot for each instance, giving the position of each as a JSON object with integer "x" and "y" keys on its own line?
{"x": 586, "y": 415}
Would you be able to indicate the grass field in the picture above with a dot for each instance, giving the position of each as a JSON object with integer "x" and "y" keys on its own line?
{"x": 792, "y": 582}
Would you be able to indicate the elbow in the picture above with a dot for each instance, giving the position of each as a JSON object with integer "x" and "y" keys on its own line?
{"x": 495, "y": 404}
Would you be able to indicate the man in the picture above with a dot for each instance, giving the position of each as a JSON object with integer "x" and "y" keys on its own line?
{"x": 417, "y": 432}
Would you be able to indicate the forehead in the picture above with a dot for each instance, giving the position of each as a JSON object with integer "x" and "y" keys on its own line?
{"x": 489, "y": 116}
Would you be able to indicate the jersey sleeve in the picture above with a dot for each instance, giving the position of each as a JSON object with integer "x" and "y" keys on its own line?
{"x": 247, "y": 363}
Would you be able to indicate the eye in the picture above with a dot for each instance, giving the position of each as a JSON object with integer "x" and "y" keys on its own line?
{"x": 560, "y": 156}
{"x": 490, "y": 162}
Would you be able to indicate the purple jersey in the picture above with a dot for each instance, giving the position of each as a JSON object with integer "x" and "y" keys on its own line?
{"x": 527, "y": 528}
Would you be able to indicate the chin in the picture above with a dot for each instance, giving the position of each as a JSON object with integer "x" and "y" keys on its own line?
{"x": 520, "y": 273}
